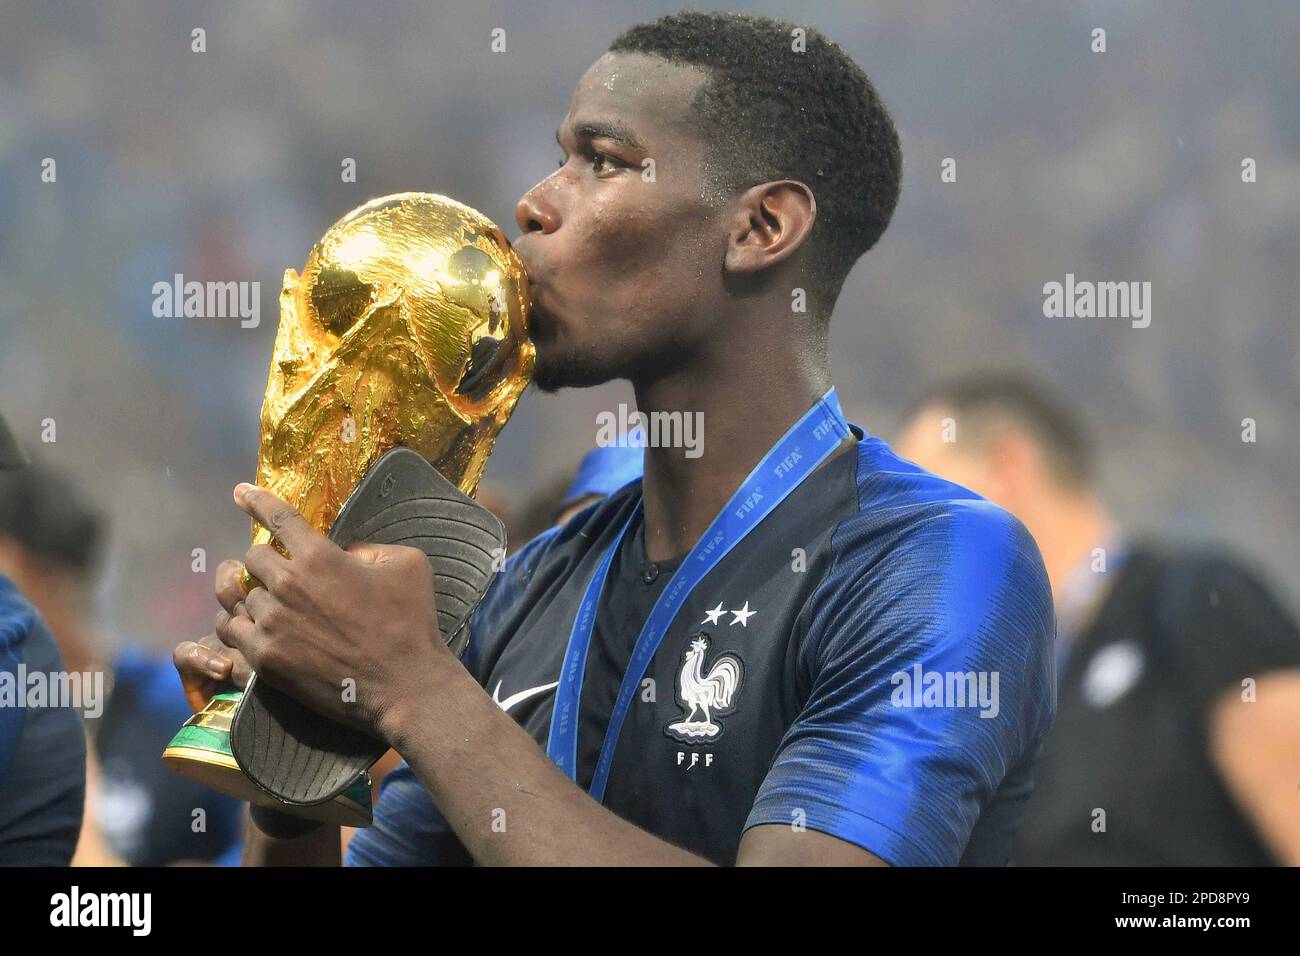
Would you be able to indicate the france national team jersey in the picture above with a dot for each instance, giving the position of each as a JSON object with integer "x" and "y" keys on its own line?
{"x": 42, "y": 748}
{"x": 874, "y": 661}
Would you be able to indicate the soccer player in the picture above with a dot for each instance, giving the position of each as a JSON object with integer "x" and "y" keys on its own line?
{"x": 794, "y": 647}
{"x": 1180, "y": 671}
{"x": 42, "y": 745}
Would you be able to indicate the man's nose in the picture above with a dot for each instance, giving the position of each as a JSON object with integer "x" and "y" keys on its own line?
{"x": 534, "y": 213}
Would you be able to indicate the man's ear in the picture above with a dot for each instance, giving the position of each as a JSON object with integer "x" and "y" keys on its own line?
{"x": 771, "y": 222}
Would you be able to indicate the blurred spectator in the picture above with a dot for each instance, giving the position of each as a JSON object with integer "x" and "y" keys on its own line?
{"x": 600, "y": 472}
{"x": 42, "y": 748}
{"x": 1178, "y": 672}
{"x": 137, "y": 812}
{"x": 50, "y": 548}
{"x": 149, "y": 815}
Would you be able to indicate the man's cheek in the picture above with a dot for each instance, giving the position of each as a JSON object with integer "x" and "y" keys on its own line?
{"x": 628, "y": 214}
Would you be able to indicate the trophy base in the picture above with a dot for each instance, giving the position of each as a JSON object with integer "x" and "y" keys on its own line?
{"x": 201, "y": 751}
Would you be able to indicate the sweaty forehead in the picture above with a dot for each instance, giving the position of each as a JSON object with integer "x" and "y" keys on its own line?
{"x": 647, "y": 94}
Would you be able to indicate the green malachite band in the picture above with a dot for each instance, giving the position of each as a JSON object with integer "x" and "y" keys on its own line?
{"x": 201, "y": 750}
{"x": 358, "y": 792}
{"x": 202, "y": 738}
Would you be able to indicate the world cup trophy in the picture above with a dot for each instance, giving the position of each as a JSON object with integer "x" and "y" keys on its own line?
{"x": 401, "y": 352}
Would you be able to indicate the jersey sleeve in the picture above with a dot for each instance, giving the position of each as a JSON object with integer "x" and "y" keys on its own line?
{"x": 930, "y": 680}
{"x": 407, "y": 830}
{"x": 42, "y": 754}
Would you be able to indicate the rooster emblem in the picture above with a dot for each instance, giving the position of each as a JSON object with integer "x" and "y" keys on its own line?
{"x": 704, "y": 694}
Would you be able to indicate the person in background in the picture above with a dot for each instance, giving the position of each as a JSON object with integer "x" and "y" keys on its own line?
{"x": 601, "y": 472}
{"x": 146, "y": 812}
{"x": 1177, "y": 735}
{"x": 137, "y": 812}
{"x": 42, "y": 749}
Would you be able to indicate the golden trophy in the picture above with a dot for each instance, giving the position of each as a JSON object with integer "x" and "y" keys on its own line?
{"x": 401, "y": 352}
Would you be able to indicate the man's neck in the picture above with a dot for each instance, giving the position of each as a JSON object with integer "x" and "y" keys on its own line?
{"x": 1067, "y": 531}
{"x": 742, "y": 411}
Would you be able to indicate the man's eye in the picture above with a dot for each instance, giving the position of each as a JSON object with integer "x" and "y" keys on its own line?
{"x": 600, "y": 162}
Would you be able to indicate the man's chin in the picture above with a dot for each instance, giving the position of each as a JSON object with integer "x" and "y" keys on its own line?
{"x": 556, "y": 368}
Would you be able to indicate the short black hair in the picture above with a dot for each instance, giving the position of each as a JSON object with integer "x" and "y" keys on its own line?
{"x": 46, "y": 514}
{"x": 987, "y": 399}
{"x": 774, "y": 113}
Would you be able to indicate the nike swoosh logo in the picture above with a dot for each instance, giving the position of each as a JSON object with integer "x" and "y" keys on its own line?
{"x": 520, "y": 697}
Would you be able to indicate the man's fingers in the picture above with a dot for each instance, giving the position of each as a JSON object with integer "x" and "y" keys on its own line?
{"x": 238, "y": 631}
{"x": 258, "y": 603}
{"x": 266, "y": 564}
{"x": 278, "y": 517}
{"x": 192, "y": 658}
{"x": 204, "y": 670}
{"x": 240, "y": 672}
{"x": 229, "y": 593}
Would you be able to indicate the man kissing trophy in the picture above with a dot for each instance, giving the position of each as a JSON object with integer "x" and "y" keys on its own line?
{"x": 401, "y": 352}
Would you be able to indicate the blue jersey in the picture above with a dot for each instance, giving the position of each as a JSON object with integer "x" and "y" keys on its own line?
{"x": 145, "y": 810}
{"x": 874, "y": 661}
{"x": 42, "y": 747}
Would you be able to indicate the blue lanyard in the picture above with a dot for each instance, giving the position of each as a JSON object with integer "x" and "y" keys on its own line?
{"x": 793, "y": 458}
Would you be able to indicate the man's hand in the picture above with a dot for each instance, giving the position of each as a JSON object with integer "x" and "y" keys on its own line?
{"x": 348, "y": 633}
{"x": 207, "y": 667}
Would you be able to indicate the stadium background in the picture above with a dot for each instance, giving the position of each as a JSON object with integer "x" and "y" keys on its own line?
{"x": 225, "y": 165}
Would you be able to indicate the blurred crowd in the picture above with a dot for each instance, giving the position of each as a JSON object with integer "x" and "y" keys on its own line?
{"x": 226, "y": 164}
